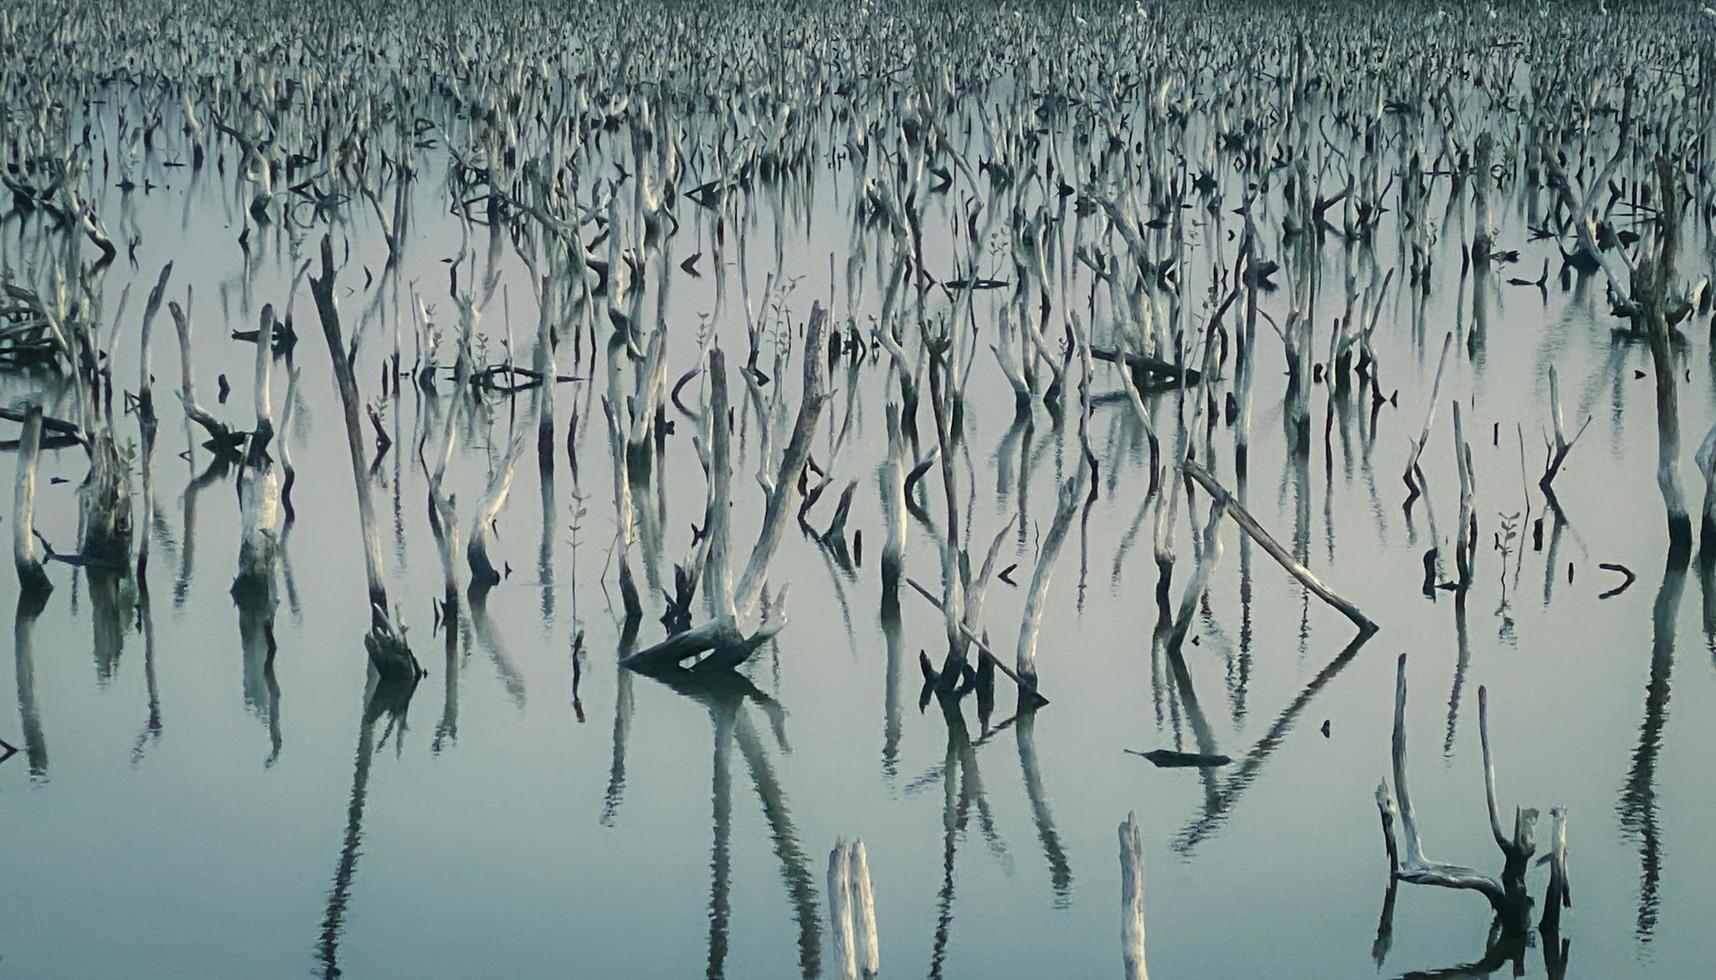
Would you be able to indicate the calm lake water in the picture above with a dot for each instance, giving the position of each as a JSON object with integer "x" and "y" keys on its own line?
{"x": 200, "y": 793}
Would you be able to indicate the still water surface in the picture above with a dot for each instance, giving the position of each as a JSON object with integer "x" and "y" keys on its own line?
{"x": 203, "y": 794}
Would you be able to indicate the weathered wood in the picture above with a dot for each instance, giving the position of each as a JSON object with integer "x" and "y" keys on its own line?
{"x": 259, "y": 487}
{"x": 1031, "y": 621}
{"x": 1415, "y": 867}
{"x": 388, "y": 652}
{"x": 1706, "y": 460}
{"x": 1410, "y": 475}
{"x": 547, "y": 308}
{"x": 1507, "y": 894}
{"x": 31, "y": 577}
{"x": 1653, "y": 283}
{"x": 893, "y": 490}
{"x": 442, "y": 509}
{"x": 145, "y": 372}
{"x": 1562, "y": 445}
{"x": 723, "y": 637}
{"x": 1465, "y": 545}
{"x": 1282, "y": 556}
{"x": 222, "y": 440}
{"x": 1390, "y": 816}
{"x": 1152, "y": 370}
{"x": 56, "y": 426}
{"x": 484, "y": 574}
{"x": 717, "y": 569}
{"x": 1132, "y": 899}
{"x": 1200, "y": 579}
{"x": 840, "y": 913}
{"x": 1028, "y": 693}
{"x": 783, "y": 497}
{"x": 865, "y": 941}
{"x": 1171, "y": 759}
{"x": 1559, "y": 894}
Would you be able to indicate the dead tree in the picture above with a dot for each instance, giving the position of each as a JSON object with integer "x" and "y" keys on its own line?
{"x": 31, "y": 578}
{"x": 222, "y": 440}
{"x": 1412, "y": 477}
{"x": 1654, "y": 301}
{"x": 852, "y": 913}
{"x": 1506, "y": 894}
{"x": 893, "y": 488}
{"x": 1132, "y": 898}
{"x": 1031, "y": 621}
{"x": 258, "y": 485}
{"x": 388, "y": 652}
{"x": 1706, "y": 460}
{"x": 484, "y": 574}
{"x": 1465, "y": 539}
{"x": 725, "y": 638}
{"x": 443, "y": 513}
{"x": 1556, "y": 452}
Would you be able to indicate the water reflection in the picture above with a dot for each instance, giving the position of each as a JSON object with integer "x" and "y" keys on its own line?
{"x": 1229, "y": 790}
{"x": 1060, "y": 868}
{"x": 1637, "y": 807}
{"x": 727, "y": 696}
{"x": 1026, "y": 454}
{"x": 30, "y": 605}
{"x": 111, "y": 594}
{"x": 152, "y": 725}
{"x": 623, "y": 706}
{"x": 382, "y": 699}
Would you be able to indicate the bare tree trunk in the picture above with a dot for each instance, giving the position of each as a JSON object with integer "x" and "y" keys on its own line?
{"x": 1562, "y": 445}
{"x": 1410, "y": 475}
{"x": 1031, "y": 622}
{"x": 546, "y": 369}
{"x": 1653, "y": 279}
{"x": 31, "y": 577}
{"x": 259, "y": 485}
{"x": 484, "y": 574}
{"x": 1132, "y": 898}
{"x": 864, "y": 938}
{"x": 840, "y": 913}
{"x": 388, "y": 652}
{"x": 723, "y": 634}
{"x": 1465, "y": 544}
{"x": 442, "y": 511}
{"x": 223, "y": 441}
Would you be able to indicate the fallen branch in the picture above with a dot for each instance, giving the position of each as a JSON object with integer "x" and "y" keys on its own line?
{"x": 1026, "y": 687}
{"x": 1171, "y": 759}
{"x": 1282, "y": 556}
